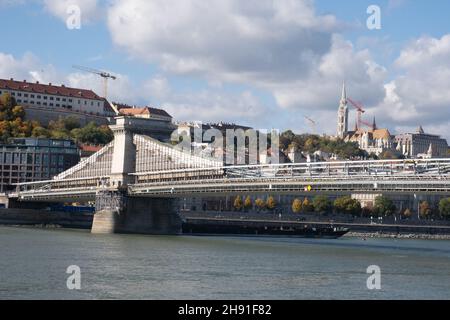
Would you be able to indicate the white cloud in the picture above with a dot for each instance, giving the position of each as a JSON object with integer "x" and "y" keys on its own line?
{"x": 420, "y": 94}
{"x": 257, "y": 40}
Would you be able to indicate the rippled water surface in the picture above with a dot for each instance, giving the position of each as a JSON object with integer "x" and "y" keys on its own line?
{"x": 33, "y": 264}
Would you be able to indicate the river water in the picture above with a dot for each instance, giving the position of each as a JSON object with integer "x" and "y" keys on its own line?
{"x": 33, "y": 264}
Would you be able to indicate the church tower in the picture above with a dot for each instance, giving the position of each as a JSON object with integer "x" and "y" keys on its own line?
{"x": 342, "y": 124}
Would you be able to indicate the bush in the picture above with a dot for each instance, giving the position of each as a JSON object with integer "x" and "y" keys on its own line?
{"x": 322, "y": 204}
{"x": 347, "y": 205}
{"x": 383, "y": 206}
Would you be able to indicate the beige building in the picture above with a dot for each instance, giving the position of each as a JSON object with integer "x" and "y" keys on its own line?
{"x": 417, "y": 144}
{"x": 373, "y": 140}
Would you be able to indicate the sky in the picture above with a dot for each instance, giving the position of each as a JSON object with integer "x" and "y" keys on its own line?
{"x": 263, "y": 63}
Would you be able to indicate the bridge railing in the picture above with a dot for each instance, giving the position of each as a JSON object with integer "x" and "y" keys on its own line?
{"x": 298, "y": 170}
{"x": 63, "y": 184}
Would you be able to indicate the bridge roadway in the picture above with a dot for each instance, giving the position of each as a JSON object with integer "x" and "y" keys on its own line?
{"x": 393, "y": 177}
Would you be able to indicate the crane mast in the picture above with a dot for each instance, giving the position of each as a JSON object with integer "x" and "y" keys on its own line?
{"x": 105, "y": 75}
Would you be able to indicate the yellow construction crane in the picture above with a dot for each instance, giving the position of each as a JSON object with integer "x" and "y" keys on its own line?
{"x": 103, "y": 74}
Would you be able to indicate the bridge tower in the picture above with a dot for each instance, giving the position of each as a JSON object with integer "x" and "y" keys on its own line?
{"x": 116, "y": 210}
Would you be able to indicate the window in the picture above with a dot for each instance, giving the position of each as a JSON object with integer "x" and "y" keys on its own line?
{"x": 31, "y": 95}
{"x": 51, "y": 104}
{"x": 45, "y": 103}
{"x": 45, "y": 97}
{"x": 25, "y": 95}
{"x": 19, "y": 94}
{"x": 39, "y": 103}
{"x": 13, "y": 93}
{"x": 57, "y": 104}
{"x": 38, "y": 97}
{"x": 64, "y": 99}
{"x": 19, "y": 101}
{"x": 51, "y": 98}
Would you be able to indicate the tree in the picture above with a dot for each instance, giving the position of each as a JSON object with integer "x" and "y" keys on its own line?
{"x": 40, "y": 132}
{"x": 247, "y": 202}
{"x": 322, "y": 204}
{"x": 296, "y": 205}
{"x": 383, "y": 206}
{"x": 271, "y": 203}
{"x": 348, "y": 205}
{"x": 444, "y": 207}
{"x": 424, "y": 209}
{"x": 407, "y": 213}
{"x": 238, "y": 203}
{"x": 307, "y": 206}
{"x": 260, "y": 204}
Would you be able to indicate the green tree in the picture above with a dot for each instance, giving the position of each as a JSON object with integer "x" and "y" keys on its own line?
{"x": 322, "y": 204}
{"x": 348, "y": 205}
{"x": 297, "y": 206}
{"x": 383, "y": 206}
{"x": 444, "y": 207}
{"x": 40, "y": 132}
{"x": 247, "y": 203}
{"x": 238, "y": 203}
{"x": 271, "y": 203}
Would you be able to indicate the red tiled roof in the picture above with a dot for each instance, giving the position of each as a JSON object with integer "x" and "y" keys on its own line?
{"x": 134, "y": 111}
{"x": 37, "y": 87}
{"x": 140, "y": 110}
{"x": 90, "y": 148}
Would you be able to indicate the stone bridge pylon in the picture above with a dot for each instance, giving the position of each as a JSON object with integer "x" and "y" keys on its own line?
{"x": 114, "y": 169}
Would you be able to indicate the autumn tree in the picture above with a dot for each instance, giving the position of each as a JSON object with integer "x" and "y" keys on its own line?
{"x": 238, "y": 203}
{"x": 247, "y": 203}
{"x": 271, "y": 203}
{"x": 260, "y": 204}
{"x": 407, "y": 213}
{"x": 425, "y": 209}
{"x": 307, "y": 205}
{"x": 297, "y": 206}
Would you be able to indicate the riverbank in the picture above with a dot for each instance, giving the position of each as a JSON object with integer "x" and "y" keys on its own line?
{"x": 391, "y": 235}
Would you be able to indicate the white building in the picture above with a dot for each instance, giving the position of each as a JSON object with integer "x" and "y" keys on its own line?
{"x": 58, "y": 98}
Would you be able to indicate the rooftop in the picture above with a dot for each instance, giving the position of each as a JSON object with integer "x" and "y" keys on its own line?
{"x": 133, "y": 110}
{"x": 37, "y": 87}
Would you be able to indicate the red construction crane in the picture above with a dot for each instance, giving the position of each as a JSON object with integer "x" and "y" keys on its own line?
{"x": 360, "y": 110}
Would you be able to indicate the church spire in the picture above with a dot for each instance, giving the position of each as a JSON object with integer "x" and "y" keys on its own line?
{"x": 344, "y": 94}
{"x": 374, "y": 125}
{"x": 342, "y": 123}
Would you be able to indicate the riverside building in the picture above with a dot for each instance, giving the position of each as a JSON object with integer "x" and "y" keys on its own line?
{"x": 34, "y": 159}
